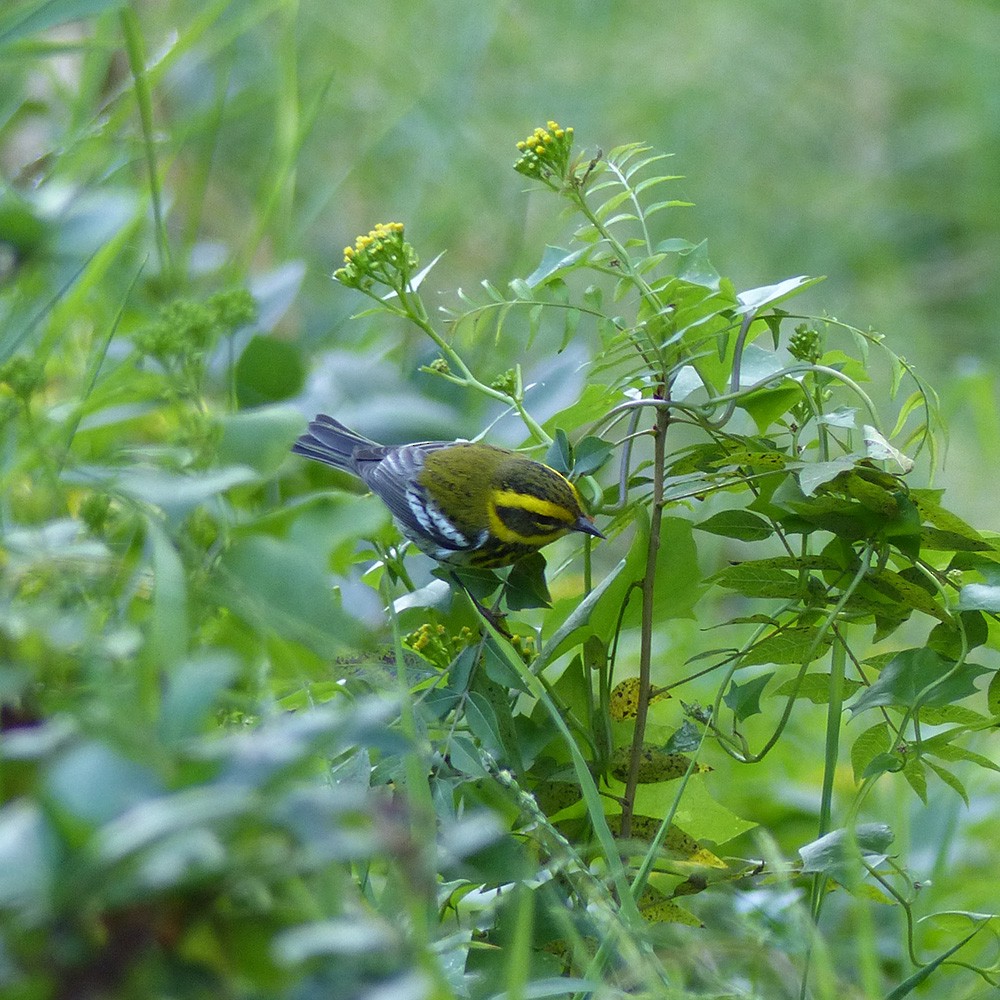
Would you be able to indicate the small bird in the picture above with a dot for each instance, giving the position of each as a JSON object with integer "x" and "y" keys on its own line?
{"x": 461, "y": 502}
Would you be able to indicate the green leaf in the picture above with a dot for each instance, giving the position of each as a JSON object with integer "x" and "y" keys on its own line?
{"x": 590, "y": 455}
{"x": 873, "y": 742}
{"x": 755, "y": 580}
{"x": 910, "y": 672}
{"x": 741, "y": 524}
{"x": 555, "y": 261}
{"x": 31, "y": 19}
{"x": 766, "y": 405}
{"x": 259, "y": 439}
{"x": 949, "y": 779}
{"x": 815, "y": 687}
{"x": 177, "y": 495}
{"x": 979, "y": 597}
{"x": 839, "y": 853}
{"x": 909, "y": 984}
{"x": 269, "y": 370}
{"x": 95, "y": 783}
{"x": 560, "y": 453}
{"x": 191, "y": 691}
{"x": 993, "y": 695}
{"x": 526, "y": 586}
{"x": 799, "y": 644}
{"x": 279, "y": 588}
{"x": 29, "y": 860}
{"x": 744, "y": 699}
{"x": 679, "y": 583}
{"x": 169, "y": 632}
{"x": 697, "y": 269}
{"x": 602, "y": 603}
{"x": 768, "y": 295}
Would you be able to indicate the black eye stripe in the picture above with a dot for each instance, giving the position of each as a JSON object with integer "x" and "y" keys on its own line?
{"x": 526, "y": 522}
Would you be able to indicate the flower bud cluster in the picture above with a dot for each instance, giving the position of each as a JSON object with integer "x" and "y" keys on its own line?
{"x": 545, "y": 153}
{"x": 381, "y": 257}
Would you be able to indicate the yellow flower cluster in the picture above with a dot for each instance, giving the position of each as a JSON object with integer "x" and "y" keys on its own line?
{"x": 382, "y": 256}
{"x": 545, "y": 152}
{"x": 434, "y": 644}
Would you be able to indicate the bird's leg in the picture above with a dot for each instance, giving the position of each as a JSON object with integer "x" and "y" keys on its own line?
{"x": 495, "y": 618}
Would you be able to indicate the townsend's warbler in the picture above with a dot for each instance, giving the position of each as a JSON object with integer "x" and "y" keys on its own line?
{"x": 461, "y": 502}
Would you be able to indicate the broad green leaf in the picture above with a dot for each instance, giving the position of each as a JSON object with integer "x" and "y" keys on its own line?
{"x": 950, "y": 779}
{"x": 191, "y": 690}
{"x": 96, "y": 783}
{"x": 259, "y": 439}
{"x": 912, "y": 671}
{"x": 526, "y": 586}
{"x": 979, "y": 597}
{"x": 931, "y": 511}
{"x": 278, "y": 588}
{"x": 741, "y": 524}
{"x": 29, "y": 860}
{"x": 753, "y": 580}
{"x": 590, "y": 455}
{"x": 839, "y": 853}
{"x": 767, "y": 405}
{"x": 342, "y": 938}
{"x": 873, "y": 741}
{"x": 815, "y": 687}
{"x": 744, "y": 699}
{"x": 820, "y": 473}
{"x": 797, "y": 644}
{"x": 269, "y": 370}
{"x": 578, "y": 623}
{"x": 176, "y": 494}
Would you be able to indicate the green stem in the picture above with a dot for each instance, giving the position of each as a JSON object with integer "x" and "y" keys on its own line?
{"x": 420, "y": 872}
{"x": 137, "y": 64}
{"x": 646, "y": 631}
{"x": 413, "y": 309}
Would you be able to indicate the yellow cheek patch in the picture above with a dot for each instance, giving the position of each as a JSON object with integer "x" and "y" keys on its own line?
{"x": 531, "y": 505}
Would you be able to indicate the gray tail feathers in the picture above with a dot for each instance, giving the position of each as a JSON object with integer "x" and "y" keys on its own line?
{"x": 329, "y": 441}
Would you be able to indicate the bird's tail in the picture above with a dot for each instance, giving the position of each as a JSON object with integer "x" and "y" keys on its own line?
{"x": 329, "y": 441}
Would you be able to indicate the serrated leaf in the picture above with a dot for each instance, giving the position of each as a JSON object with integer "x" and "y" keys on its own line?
{"x": 873, "y": 741}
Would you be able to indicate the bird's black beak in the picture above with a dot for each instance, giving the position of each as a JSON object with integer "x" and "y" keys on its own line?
{"x": 587, "y": 526}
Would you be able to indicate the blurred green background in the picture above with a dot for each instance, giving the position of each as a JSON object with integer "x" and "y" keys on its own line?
{"x": 853, "y": 140}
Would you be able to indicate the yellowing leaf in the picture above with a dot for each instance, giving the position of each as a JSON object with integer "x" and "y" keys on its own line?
{"x": 654, "y": 764}
{"x": 625, "y": 699}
